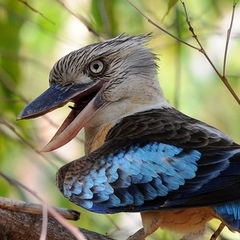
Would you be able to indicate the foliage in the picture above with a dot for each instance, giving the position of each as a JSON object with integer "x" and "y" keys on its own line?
{"x": 35, "y": 36}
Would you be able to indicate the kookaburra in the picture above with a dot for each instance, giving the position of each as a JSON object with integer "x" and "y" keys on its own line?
{"x": 142, "y": 155}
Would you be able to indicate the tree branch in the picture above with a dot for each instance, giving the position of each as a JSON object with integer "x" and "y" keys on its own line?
{"x": 22, "y": 226}
{"x": 228, "y": 39}
{"x": 202, "y": 50}
{"x": 33, "y": 208}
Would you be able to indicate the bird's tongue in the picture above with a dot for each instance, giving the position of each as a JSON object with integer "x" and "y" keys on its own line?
{"x": 74, "y": 122}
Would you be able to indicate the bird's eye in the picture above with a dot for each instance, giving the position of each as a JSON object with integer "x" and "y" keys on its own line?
{"x": 96, "y": 66}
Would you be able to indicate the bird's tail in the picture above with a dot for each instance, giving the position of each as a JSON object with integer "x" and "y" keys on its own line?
{"x": 230, "y": 214}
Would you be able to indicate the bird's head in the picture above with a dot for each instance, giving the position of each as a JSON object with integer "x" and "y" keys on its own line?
{"x": 105, "y": 81}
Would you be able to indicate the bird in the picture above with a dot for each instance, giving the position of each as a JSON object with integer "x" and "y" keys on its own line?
{"x": 141, "y": 154}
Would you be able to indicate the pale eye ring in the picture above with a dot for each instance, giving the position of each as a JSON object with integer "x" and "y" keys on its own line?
{"x": 96, "y": 66}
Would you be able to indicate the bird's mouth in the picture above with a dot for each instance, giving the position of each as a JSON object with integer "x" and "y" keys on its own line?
{"x": 87, "y": 101}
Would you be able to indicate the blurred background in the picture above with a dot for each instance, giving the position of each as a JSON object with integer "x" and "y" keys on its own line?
{"x": 35, "y": 34}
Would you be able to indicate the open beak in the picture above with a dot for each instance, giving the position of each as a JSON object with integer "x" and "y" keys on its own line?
{"x": 87, "y": 101}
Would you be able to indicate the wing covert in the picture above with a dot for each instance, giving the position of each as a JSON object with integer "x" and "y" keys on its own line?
{"x": 128, "y": 178}
{"x": 168, "y": 125}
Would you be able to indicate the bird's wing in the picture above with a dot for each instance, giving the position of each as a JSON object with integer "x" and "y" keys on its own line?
{"x": 152, "y": 160}
{"x": 170, "y": 126}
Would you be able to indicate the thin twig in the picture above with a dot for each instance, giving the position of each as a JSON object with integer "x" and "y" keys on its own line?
{"x": 43, "y": 235}
{"x": 36, "y": 11}
{"x": 8, "y": 83}
{"x": 10, "y": 127}
{"x": 75, "y": 231}
{"x": 90, "y": 29}
{"x": 162, "y": 29}
{"x": 228, "y": 39}
{"x": 223, "y": 78}
{"x": 178, "y": 64}
{"x": 201, "y": 49}
{"x": 217, "y": 232}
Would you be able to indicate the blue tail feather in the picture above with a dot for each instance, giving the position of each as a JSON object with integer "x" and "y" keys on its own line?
{"x": 230, "y": 214}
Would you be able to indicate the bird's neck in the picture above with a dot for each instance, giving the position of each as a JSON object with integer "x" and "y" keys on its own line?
{"x": 94, "y": 137}
{"x": 144, "y": 98}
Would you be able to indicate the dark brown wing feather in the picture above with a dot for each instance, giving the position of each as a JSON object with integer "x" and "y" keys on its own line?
{"x": 167, "y": 125}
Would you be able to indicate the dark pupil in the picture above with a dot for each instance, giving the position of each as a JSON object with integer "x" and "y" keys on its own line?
{"x": 96, "y": 66}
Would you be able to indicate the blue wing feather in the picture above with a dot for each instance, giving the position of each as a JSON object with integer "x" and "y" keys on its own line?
{"x": 151, "y": 176}
{"x": 132, "y": 176}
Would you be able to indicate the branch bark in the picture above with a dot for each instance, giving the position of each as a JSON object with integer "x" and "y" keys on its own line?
{"x": 22, "y": 226}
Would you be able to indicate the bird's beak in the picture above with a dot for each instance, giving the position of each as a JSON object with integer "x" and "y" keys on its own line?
{"x": 87, "y": 101}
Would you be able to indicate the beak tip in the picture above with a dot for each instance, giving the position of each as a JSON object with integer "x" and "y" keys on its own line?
{"x": 20, "y": 116}
{"x": 26, "y": 113}
{"x": 44, "y": 149}
{"x": 49, "y": 147}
